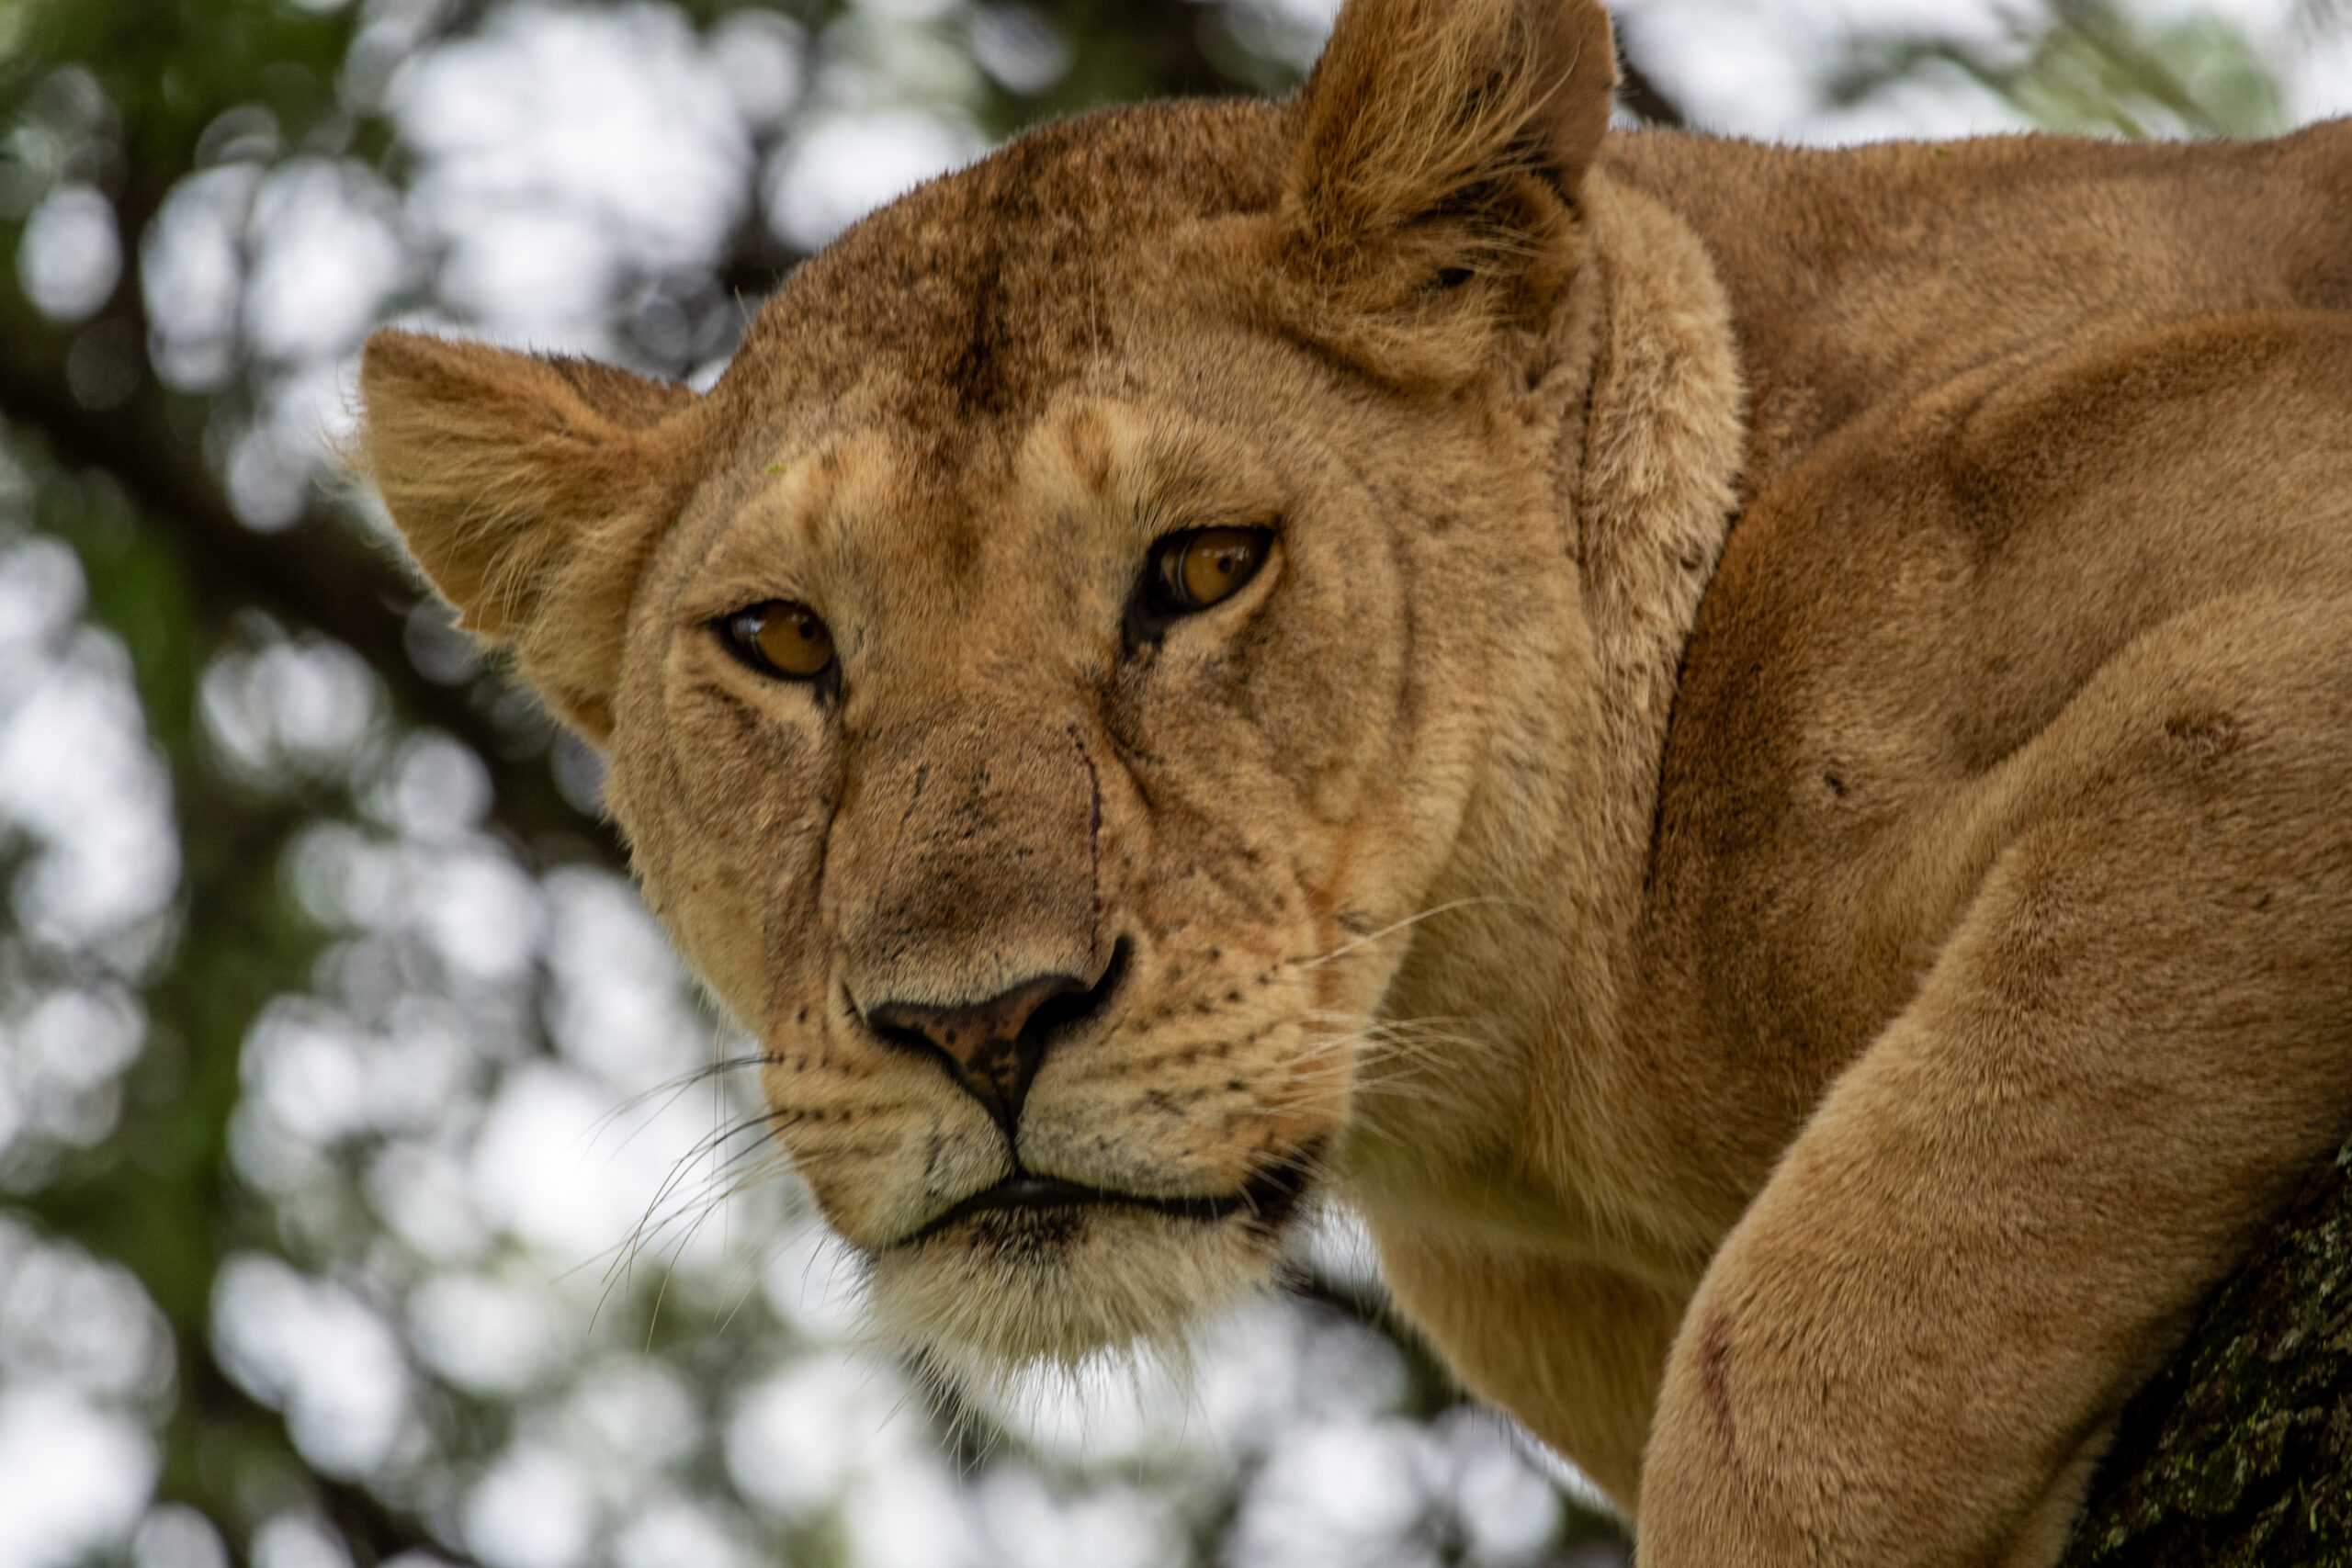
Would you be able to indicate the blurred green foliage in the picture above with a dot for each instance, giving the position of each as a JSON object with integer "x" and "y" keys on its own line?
{"x": 2096, "y": 68}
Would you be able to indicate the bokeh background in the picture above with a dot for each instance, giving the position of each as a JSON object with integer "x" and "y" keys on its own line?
{"x": 373, "y": 1185}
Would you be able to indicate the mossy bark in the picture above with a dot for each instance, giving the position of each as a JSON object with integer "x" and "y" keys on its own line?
{"x": 2239, "y": 1453}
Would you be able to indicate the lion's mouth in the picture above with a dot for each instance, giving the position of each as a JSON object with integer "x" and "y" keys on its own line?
{"x": 1266, "y": 1202}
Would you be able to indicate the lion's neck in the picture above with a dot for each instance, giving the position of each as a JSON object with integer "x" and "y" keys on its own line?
{"x": 1653, "y": 497}
{"x": 1647, "y": 439}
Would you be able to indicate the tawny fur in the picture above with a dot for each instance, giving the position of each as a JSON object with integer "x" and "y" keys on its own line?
{"x": 1778, "y": 818}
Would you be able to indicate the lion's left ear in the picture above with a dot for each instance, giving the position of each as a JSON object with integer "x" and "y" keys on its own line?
{"x": 531, "y": 490}
{"x": 1436, "y": 157}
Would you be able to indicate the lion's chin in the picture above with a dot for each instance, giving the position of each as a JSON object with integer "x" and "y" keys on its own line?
{"x": 1005, "y": 1290}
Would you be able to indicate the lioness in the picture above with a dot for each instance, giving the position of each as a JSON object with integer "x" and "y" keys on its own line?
{"x": 1748, "y": 750}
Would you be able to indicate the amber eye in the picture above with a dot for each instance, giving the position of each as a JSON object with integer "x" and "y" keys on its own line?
{"x": 1192, "y": 571}
{"x": 781, "y": 638}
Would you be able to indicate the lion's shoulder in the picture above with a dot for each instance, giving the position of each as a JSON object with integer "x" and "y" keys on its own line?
{"x": 1905, "y": 617}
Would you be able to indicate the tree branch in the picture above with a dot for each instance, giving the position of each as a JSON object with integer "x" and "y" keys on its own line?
{"x": 2239, "y": 1453}
{"x": 1640, "y": 96}
{"x": 1644, "y": 99}
{"x": 375, "y": 1530}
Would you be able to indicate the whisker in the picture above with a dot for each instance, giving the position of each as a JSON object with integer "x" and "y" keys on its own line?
{"x": 680, "y": 1201}
{"x": 751, "y": 1266}
{"x": 675, "y": 1179}
{"x": 673, "y": 1088}
{"x": 1472, "y": 901}
{"x": 708, "y": 1207}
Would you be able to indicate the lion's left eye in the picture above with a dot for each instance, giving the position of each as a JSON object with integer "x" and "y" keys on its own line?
{"x": 1192, "y": 571}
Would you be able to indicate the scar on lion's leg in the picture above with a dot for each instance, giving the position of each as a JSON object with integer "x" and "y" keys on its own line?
{"x": 1715, "y": 1350}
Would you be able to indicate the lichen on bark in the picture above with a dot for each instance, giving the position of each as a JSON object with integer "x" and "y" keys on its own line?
{"x": 2239, "y": 1453}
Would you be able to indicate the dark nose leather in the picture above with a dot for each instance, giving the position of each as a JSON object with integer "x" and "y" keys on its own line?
{"x": 992, "y": 1048}
{"x": 968, "y": 1033}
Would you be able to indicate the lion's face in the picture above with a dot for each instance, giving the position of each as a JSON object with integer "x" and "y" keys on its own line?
{"x": 1044, "y": 684}
{"x": 1049, "y": 892}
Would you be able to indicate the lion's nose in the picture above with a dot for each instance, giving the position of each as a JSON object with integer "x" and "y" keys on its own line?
{"x": 993, "y": 1048}
{"x": 967, "y": 1033}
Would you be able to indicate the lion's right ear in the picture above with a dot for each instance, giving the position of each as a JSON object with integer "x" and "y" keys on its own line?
{"x": 531, "y": 490}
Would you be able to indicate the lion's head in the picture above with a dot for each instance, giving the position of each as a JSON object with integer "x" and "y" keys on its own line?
{"x": 1046, "y": 677}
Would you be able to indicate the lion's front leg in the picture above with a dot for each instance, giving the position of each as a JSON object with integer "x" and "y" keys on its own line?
{"x": 1911, "y": 1348}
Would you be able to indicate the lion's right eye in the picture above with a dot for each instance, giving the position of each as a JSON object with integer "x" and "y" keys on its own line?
{"x": 780, "y": 638}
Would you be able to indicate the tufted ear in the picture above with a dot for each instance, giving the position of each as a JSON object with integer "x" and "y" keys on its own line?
{"x": 1436, "y": 155}
{"x": 531, "y": 490}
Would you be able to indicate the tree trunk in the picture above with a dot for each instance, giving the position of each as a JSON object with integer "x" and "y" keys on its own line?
{"x": 2239, "y": 1453}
